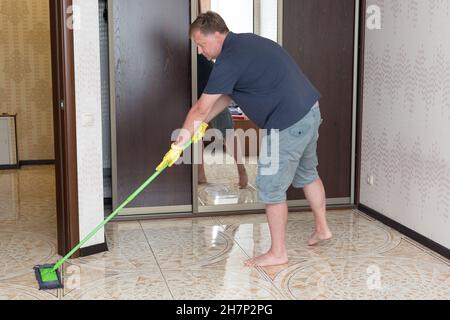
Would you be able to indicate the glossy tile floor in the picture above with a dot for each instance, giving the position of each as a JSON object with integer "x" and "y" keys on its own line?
{"x": 203, "y": 258}
{"x": 223, "y": 181}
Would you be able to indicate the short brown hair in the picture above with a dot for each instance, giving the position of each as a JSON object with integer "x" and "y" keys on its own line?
{"x": 209, "y": 23}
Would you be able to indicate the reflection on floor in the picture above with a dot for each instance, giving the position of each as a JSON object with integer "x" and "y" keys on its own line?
{"x": 223, "y": 182}
{"x": 202, "y": 258}
{"x": 27, "y": 229}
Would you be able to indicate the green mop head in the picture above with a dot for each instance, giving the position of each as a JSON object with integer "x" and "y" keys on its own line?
{"x": 47, "y": 278}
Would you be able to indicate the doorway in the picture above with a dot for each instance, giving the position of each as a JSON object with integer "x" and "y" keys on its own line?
{"x": 64, "y": 119}
{"x": 38, "y": 198}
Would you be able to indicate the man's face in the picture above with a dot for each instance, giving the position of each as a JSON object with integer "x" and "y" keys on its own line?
{"x": 210, "y": 45}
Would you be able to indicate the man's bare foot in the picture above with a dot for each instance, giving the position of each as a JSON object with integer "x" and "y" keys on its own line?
{"x": 202, "y": 182}
{"x": 317, "y": 237}
{"x": 267, "y": 260}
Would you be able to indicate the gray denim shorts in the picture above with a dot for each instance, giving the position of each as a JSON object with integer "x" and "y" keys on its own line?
{"x": 296, "y": 163}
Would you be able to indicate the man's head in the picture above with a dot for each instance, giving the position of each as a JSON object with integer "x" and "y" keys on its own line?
{"x": 209, "y": 31}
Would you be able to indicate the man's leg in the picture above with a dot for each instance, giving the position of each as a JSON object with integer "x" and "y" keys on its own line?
{"x": 243, "y": 177}
{"x": 307, "y": 177}
{"x": 201, "y": 167}
{"x": 233, "y": 148}
{"x": 276, "y": 169}
{"x": 277, "y": 216}
{"x": 315, "y": 193}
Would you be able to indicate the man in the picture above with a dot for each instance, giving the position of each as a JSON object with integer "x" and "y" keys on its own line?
{"x": 268, "y": 85}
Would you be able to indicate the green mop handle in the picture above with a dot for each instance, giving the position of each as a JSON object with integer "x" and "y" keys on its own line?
{"x": 161, "y": 168}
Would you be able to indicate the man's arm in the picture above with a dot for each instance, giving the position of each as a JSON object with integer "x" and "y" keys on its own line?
{"x": 220, "y": 105}
{"x": 206, "y": 109}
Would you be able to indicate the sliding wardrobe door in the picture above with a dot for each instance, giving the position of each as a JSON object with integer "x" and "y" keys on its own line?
{"x": 151, "y": 95}
{"x": 320, "y": 35}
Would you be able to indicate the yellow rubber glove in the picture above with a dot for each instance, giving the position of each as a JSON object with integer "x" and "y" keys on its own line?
{"x": 175, "y": 152}
{"x": 171, "y": 157}
{"x": 200, "y": 133}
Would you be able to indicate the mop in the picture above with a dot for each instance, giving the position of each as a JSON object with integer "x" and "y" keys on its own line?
{"x": 49, "y": 277}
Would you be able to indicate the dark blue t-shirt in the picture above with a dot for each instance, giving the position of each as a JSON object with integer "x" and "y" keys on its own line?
{"x": 264, "y": 80}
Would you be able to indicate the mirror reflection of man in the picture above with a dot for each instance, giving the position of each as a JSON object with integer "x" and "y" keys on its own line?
{"x": 223, "y": 122}
{"x": 274, "y": 93}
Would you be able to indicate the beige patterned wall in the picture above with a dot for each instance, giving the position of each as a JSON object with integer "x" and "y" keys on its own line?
{"x": 25, "y": 74}
{"x": 406, "y": 123}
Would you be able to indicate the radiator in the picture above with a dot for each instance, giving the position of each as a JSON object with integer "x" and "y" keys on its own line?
{"x": 8, "y": 141}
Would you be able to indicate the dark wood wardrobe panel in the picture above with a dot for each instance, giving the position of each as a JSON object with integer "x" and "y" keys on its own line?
{"x": 319, "y": 34}
{"x": 153, "y": 95}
